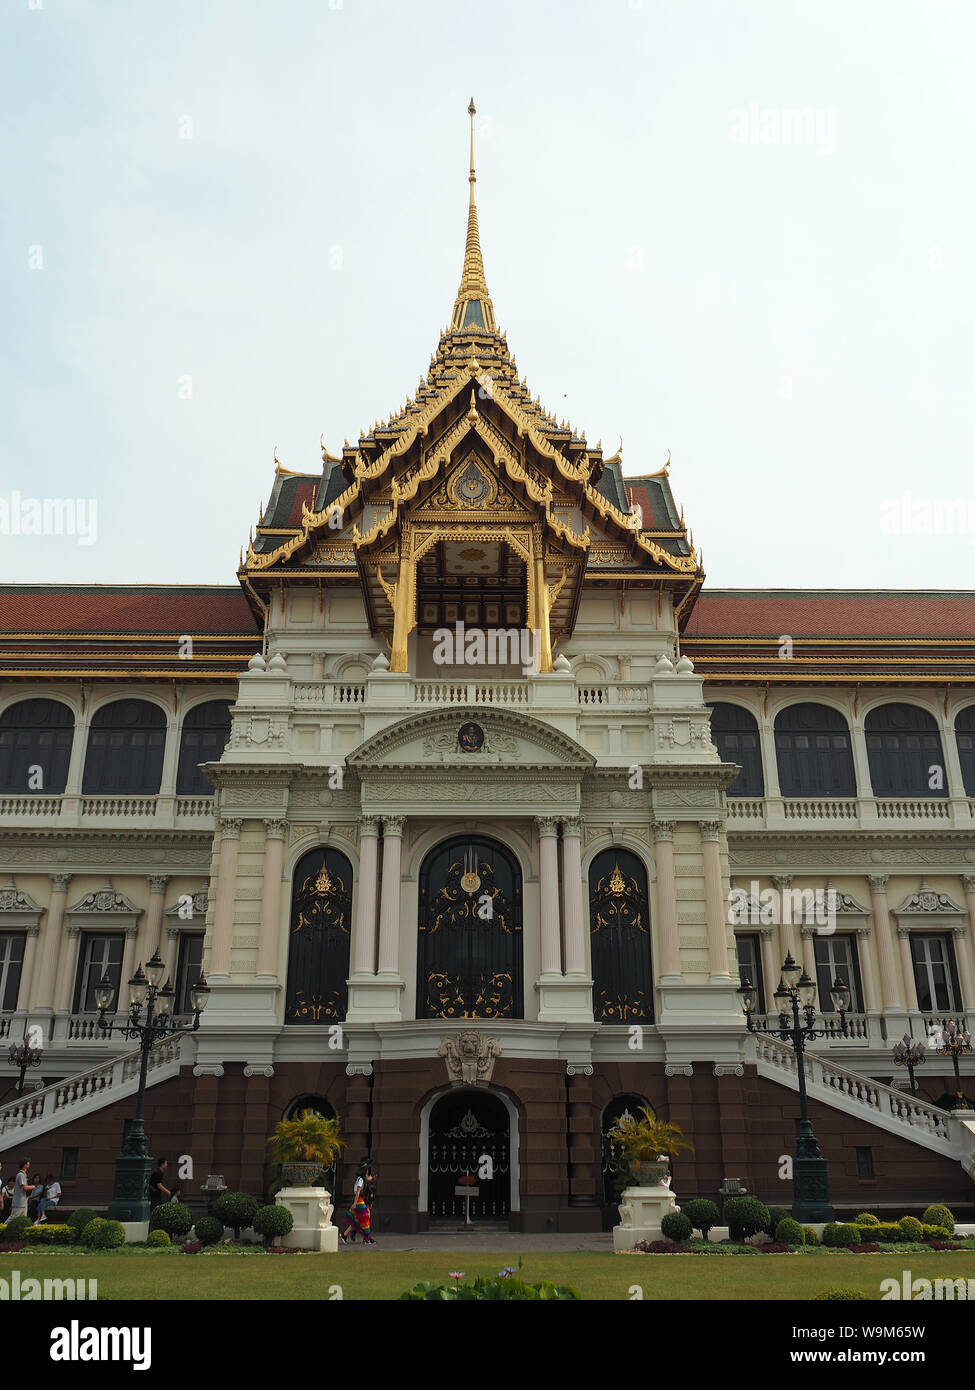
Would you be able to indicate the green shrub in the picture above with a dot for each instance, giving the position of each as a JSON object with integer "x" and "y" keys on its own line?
{"x": 891, "y": 1232}
{"x": 702, "y": 1213}
{"x": 789, "y": 1232}
{"x": 676, "y": 1226}
{"x": 775, "y": 1215}
{"x": 812, "y": 1235}
{"x": 493, "y": 1288}
{"x": 17, "y": 1228}
{"x": 89, "y": 1231}
{"x": 175, "y": 1218}
{"x": 848, "y": 1235}
{"x": 208, "y": 1230}
{"x": 50, "y": 1235}
{"x": 865, "y": 1219}
{"x": 935, "y": 1233}
{"x": 236, "y": 1209}
{"x": 746, "y": 1216}
{"x": 938, "y": 1215}
{"x": 79, "y": 1219}
{"x": 845, "y": 1295}
{"x": 109, "y": 1235}
{"x": 829, "y": 1234}
{"x": 912, "y": 1228}
{"x": 272, "y": 1221}
{"x": 157, "y": 1239}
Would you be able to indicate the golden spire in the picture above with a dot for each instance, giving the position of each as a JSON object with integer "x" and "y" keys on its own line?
{"x": 473, "y": 308}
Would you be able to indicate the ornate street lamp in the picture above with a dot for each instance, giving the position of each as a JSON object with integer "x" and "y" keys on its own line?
{"x": 23, "y": 1055}
{"x": 955, "y": 1041}
{"x": 150, "y": 1019}
{"x": 797, "y": 992}
{"x": 910, "y": 1054}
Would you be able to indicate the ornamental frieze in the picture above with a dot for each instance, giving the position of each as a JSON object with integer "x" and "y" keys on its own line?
{"x": 450, "y": 791}
{"x": 258, "y": 731}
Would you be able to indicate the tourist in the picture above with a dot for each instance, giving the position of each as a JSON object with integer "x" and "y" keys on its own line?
{"x": 7, "y": 1193}
{"x": 22, "y": 1190}
{"x": 50, "y": 1197}
{"x": 359, "y": 1216}
{"x": 158, "y": 1191}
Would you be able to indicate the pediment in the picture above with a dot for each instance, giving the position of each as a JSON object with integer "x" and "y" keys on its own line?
{"x": 471, "y": 736}
{"x": 471, "y": 485}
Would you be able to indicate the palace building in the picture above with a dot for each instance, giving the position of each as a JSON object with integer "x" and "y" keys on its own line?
{"x": 475, "y": 805}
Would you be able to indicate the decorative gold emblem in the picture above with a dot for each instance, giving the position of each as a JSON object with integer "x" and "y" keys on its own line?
{"x": 323, "y": 884}
{"x": 469, "y": 881}
{"x": 617, "y": 883}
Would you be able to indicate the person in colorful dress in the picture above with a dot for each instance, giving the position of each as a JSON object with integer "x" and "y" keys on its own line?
{"x": 359, "y": 1215}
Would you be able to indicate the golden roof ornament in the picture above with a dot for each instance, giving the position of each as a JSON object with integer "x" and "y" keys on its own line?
{"x": 473, "y": 308}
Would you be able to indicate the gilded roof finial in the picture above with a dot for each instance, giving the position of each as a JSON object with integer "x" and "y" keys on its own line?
{"x": 473, "y": 308}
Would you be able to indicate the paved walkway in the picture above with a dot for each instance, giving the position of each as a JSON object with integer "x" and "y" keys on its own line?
{"x": 504, "y": 1242}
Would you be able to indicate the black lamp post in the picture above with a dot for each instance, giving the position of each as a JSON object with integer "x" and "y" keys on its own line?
{"x": 150, "y": 1019}
{"x": 955, "y": 1040}
{"x": 23, "y": 1055}
{"x": 797, "y": 991}
{"x": 910, "y": 1054}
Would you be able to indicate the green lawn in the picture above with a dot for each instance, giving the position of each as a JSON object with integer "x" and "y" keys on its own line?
{"x": 373, "y": 1274}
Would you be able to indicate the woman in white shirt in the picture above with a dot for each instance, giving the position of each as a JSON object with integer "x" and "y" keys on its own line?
{"x": 51, "y": 1197}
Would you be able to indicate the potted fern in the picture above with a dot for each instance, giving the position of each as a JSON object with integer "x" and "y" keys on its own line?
{"x": 647, "y": 1144}
{"x": 304, "y": 1145}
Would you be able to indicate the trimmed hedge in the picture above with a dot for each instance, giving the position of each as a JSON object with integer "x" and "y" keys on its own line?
{"x": 236, "y": 1209}
{"x": 175, "y": 1218}
{"x": 17, "y": 1228}
{"x": 208, "y": 1230}
{"x": 911, "y": 1227}
{"x": 50, "y": 1235}
{"x": 79, "y": 1219}
{"x": 89, "y": 1232}
{"x": 938, "y": 1215}
{"x": 746, "y": 1216}
{"x": 775, "y": 1215}
{"x": 676, "y": 1226}
{"x": 865, "y": 1219}
{"x": 702, "y": 1214}
{"x": 157, "y": 1239}
{"x": 109, "y": 1235}
{"x": 275, "y": 1220}
{"x": 789, "y": 1232}
{"x": 812, "y": 1235}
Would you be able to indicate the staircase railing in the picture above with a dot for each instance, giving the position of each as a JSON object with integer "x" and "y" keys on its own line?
{"x": 68, "y": 1095}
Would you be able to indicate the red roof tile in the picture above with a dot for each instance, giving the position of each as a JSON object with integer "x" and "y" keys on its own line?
{"x": 52, "y": 608}
{"x": 774, "y": 613}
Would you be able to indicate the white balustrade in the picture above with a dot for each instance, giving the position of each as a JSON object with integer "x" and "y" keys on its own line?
{"x": 828, "y": 808}
{"x": 746, "y": 808}
{"x": 118, "y": 807}
{"x": 30, "y": 806}
{"x": 933, "y": 808}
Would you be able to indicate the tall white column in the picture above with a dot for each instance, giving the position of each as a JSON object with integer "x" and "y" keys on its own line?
{"x": 548, "y": 892}
{"x": 884, "y": 938}
{"x": 808, "y": 937}
{"x": 223, "y": 910}
{"x": 668, "y": 934}
{"x": 907, "y": 969}
{"x": 963, "y": 945}
{"x": 152, "y": 940}
{"x": 389, "y": 908}
{"x": 770, "y": 971}
{"x": 782, "y": 883}
{"x": 364, "y": 960}
{"x": 871, "y": 1001}
{"x": 267, "y": 945}
{"x": 574, "y": 926}
{"x": 129, "y": 963}
{"x": 50, "y": 953}
{"x": 714, "y": 901}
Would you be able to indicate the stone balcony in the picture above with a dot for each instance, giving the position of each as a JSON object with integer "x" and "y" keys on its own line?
{"x": 751, "y": 813}
{"x": 101, "y": 812}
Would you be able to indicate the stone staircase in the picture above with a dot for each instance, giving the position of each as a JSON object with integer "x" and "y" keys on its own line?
{"x": 944, "y": 1132}
{"x": 38, "y": 1112}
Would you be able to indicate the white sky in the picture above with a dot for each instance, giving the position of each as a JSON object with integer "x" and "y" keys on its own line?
{"x": 793, "y": 321}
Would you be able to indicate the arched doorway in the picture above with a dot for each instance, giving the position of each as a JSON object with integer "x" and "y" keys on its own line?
{"x": 318, "y": 944}
{"x": 469, "y": 1135}
{"x": 469, "y": 954}
{"x": 613, "y": 1161}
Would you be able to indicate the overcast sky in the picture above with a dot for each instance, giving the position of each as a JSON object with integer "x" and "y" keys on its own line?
{"x": 230, "y": 226}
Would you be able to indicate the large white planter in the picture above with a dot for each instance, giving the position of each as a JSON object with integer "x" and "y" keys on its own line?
{"x": 642, "y": 1209}
{"x": 311, "y": 1208}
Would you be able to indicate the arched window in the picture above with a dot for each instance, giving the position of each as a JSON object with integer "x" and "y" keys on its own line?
{"x": 126, "y": 743}
{"x": 469, "y": 952}
{"x": 35, "y": 747}
{"x": 619, "y": 933}
{"x": 965, "y": 734}
{"x": 736, "y": 737}
{"x": 904, "y": 751}
{"x": 206, "y": 729}
{"x": 814, "y": 752}
{"x": 318, "y": 945}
